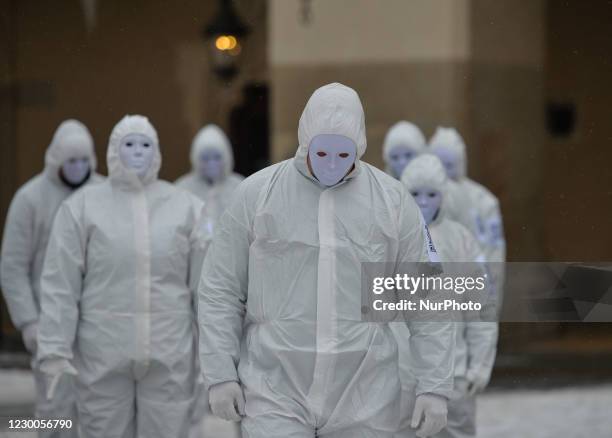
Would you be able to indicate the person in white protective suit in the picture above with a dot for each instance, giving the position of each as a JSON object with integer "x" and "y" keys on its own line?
{"x": 117, "y": 294}
{"x": 70, "y": 163}
{"x": 404, "y": 141}
{"x": 212, "y": 178}
{"x": 426, "y": 180}
{"x": 282, "y": 342}
{"x": 472, "y": 204}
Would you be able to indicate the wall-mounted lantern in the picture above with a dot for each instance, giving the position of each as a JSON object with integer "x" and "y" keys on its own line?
{"x": 225, "y": 35}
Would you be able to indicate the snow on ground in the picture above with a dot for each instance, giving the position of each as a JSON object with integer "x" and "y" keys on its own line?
{"x": 17, "y": 392}
{"x": 17, "y": 396}
{"x": 577, "y": 412}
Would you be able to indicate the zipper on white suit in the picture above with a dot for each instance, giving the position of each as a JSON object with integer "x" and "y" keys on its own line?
{"x": 326, "y": 318}
{"x": 142, "y": 244}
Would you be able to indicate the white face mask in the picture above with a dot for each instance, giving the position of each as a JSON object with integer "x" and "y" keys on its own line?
{"x": 429, "y": 201}
{"x": 210, "y": 165}
{"x": 75, "y": 170}
{"x": 399, "y": 158}
{"x": 136, "y": 152}
{"x": 331, "y": 157}
{"x": 450, "y": 160}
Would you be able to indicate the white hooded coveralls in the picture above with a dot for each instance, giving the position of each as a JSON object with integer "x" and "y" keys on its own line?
{"x": 280, "y": 299}
{"x": 474, "y": 206}
{"x": 476, "y": 341}
{"x": 117, "y": 297}
{"x": 26, "y": 234}
{"x": 216, "y": 197}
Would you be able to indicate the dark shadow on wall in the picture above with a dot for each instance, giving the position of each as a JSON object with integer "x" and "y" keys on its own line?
{"x": 8, "y": 98}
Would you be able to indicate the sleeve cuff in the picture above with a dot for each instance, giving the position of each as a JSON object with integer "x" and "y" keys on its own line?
{"x": 47, "y": 350}
{"x": 218, "y": 368}
{"x": 443, "y": 389}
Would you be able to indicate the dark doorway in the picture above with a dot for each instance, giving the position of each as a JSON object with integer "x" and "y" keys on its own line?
{"x": 249, "y": 130}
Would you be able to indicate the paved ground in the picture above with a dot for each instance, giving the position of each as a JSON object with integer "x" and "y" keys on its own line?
{"x": 582, "y": 412}
{"x": 16, "y": 398}
{"x": 571, "y": 412}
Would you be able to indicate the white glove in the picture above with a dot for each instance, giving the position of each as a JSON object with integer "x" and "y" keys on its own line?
{"x": 29, "y": 334}
{"x": 226, "y": 400}
{"x": 477, "y": 382}
{"x": 53, "y": 369}
{"x": 433, "y": 407}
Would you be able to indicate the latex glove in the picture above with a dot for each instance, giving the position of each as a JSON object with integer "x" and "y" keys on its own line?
{"x": 53, "y": 369}
{"x": 29, "y": 334}
{"x": 477, "y": 382}
{"x": 226, "y": 400}
{"x": 433, "y": 408}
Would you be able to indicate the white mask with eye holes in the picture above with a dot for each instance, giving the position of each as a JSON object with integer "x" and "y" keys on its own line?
{"x": 399, "y": 157}
{"x": 210, "y": 165}
{"x": 136, "y": 152}
{"x": 450, "y": 160}
{"x": 429, "y": 200}
{"x": 76, "y": 170}
{"x": 331, "y": 157}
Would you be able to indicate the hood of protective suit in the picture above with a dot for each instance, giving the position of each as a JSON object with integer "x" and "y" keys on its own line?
{"x": 211, "y": 137}
{"x": 117, "y": 172}
{"x": 451, "y": 140}
{"x": 332, "y": 109}
{"x": 71, "y": 139}
{"x": 427, "y": 171}
{"x": 403, "y": 133}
